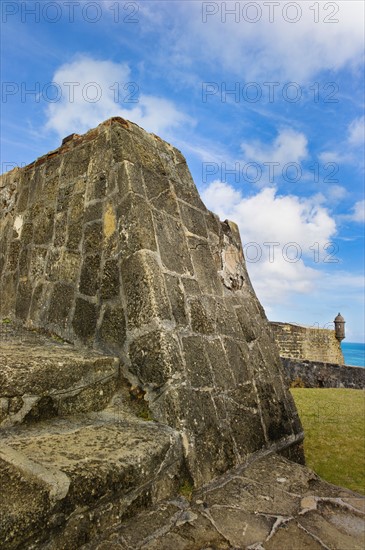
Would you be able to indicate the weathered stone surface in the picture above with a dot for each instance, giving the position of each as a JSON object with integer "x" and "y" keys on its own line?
{"x": 155, "y": 358}
{"x": 106, "y": 243}
{"x": 307, "y": 343}
{"x": 144, "y": 289}
{"x": 85, "y": 319}
{"x": 40, "y": 377}
{"x": 89, "y": 277}
{"x": 315, "y": 374}
{"x": 272, "y": 504}
{"x": 103, "y": 463}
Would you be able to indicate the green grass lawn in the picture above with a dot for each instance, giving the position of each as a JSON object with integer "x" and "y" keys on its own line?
{"x": 334, "y": 427}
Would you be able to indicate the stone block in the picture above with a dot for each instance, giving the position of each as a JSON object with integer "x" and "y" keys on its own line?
{"x": 128, "y": 178}
{"x": 60, "y": 231}
{"x": 213, "y": 223}
{"x": 136, "y": 230}
{"x": 76, "y": 162}
{"x": 199, "y": 372}
{"x": 63, "y": 266}
{"x": 37, "y": 305}
{"x": 60, "y": 304}
{"x": 23, "y": 299}
{"x": 23, "y": 198}
{"x": 93, "y": 238}
{"x": 201, "y": 319}
{"x": 93, "y": 212}
{"x": 166, "y": 202}
{"x": 84, "y": 319}
{"x": 168, "y": 232}
{"x": 96, "y": 187}
{"x": 110, "y": 280}
{"x": 227, "y": 322}
{"x": 191, "y": 287}
{"x": 249, "y": 325}
{"x": 202, "y": 429}
{"x": 238, "y": 358}
{"x": 43, "y": 226}
{"x": 246, "y": 427}
{"x": 122, "y": 145}
{"x": 89, "y": 278}
{"x": 177, "y": 299}
{"x": 112, "y": 331}
{"x": 38, "y": 263}
{"x": 64, "y": 198}
{"x": 193, "y": 220}
{"x": 185, "y": 188}
{"x": 13, "y": 256}
{"x": 145, "y": 149}
{"x": 74, "y": 236}
{"x": 50, "y": 188}
{"x": 24, "y": 261}
{"x": 205, "y": 269}
{"x": 155, "y": 182}
{"x": 27, "y": 232}
{"x": 8, "y": 293}
{"x": 222, "y": 373}
{"x": 76, "y": 209}
{"x": 155, "y": 358}
{"x": 144, "y": 289}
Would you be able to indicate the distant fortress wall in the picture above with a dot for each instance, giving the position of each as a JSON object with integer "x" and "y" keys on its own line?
{"x": 317, "y": 374}
{"x": 311, "y": 344}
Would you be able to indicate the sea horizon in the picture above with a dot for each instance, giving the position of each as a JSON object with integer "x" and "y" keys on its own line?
{"x": 354, "y": 353}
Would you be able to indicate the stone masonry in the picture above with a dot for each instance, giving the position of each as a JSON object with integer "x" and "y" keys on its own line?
{"x": 106, "y": 243}
{"x": 315, "y": 374}
{"x": 307, "y": 343}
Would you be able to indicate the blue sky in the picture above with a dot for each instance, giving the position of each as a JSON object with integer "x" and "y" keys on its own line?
{"x": 265, "y": 100}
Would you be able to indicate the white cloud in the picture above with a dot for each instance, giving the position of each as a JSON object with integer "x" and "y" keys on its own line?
{"x": 356, "y": 132}
{"x": 345, "y": 153}
{"x": 288, "y": 146}
{"x": 336, "y": 192}
{"x": 337, "y": 157}
{"x": 92, "y": 91}
{"x": 294, "y": 229}
{"x": 358, "y": 214}
{"x": 268, "y": 216}
{"x": 276, "y": 50}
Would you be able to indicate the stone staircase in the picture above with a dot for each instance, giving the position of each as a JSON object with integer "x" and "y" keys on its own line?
{"x": 77, "y": 453}
{"x": 82, "y": 465}
{"x": 42, "y": 377}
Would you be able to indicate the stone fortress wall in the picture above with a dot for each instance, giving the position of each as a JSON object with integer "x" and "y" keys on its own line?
{"x": 106, "y": 243}
{"x": 316, "y": 374}
{"x": 313, "y": 358}
{"x": 307, "y": 343}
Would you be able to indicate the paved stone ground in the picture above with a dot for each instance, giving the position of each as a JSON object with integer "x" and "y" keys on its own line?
{"x": 272, "y": 504}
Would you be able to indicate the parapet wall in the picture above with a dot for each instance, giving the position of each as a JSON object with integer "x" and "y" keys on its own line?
{"x": 312, "y": 344}
{"x": 106, "y": 242}
{"x": 314, "y": 374}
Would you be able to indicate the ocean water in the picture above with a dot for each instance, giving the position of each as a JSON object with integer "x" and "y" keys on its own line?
{"x": 354, "y": 354}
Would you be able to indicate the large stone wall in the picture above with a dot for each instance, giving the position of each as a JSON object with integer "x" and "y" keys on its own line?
{"x": 312, "y": 344}
{"x": 106, "y": 243}
{"x": 314, "y": 374}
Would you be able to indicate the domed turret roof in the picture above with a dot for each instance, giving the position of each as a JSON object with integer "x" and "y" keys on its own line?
{"x": 339, "y": 318}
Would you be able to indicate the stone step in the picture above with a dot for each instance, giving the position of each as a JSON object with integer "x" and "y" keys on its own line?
{"x": 42, "y": 377}
{"x": 67, "y": 480}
